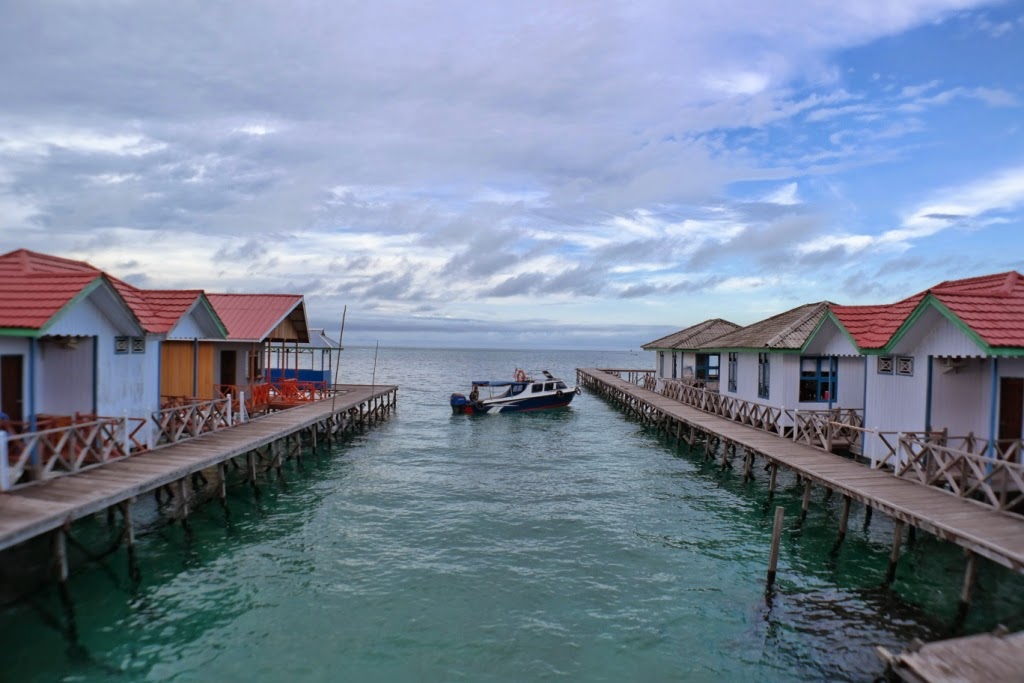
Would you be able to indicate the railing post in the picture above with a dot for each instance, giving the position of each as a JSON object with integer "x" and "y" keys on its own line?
{"x": 125, "y": 436}
{"x": 5, "y": 474}
{"x": 243, "y": 415}
{"x": 230, "y": 411}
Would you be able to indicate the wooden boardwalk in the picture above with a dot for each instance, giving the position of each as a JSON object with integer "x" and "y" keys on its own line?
{"x": 983, "y": 658}
{"x": 995, "y": 535}
{"x": 36, "y": 509}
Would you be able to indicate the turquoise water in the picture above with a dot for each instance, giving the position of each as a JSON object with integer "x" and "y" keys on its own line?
{"x": 562, "y": 545}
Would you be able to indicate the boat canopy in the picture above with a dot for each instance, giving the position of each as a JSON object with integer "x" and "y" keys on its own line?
{"x": 495, "y": 383}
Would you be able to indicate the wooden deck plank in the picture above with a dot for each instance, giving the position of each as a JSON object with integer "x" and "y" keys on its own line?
{"x": 995, "y": 535}
{"x": 34, "y": 509}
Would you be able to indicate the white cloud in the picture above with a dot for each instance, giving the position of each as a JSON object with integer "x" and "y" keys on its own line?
{"x": 739, "y": 83}
{"x": 786, "y": 195}
{"x": 40, "y": 141}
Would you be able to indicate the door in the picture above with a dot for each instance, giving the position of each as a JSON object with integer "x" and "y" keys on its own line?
{"x": 11, "y": 378}
{"x": 1011, "y": 408}
{"x": 228, "y": 367}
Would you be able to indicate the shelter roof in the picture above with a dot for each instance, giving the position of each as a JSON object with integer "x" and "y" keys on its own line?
{"x": 873, "y": 326}
{"x": 992, "y": 306}
{"x": 319, "y": 339}
{"x": 255, "y": 317}
{"x": 31, "y": 300}
{"x": 157, "y": 310}
{"x": 693, "y": 337}
{"x": 786, "y": 331}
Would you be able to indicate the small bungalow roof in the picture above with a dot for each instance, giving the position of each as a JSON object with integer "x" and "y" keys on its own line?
{"x": 786, "y": 331}
{"x": 873, "y": 326}
{"x": 30, "y": 301}
{"x": 157, "y": 310}
{"x": 693, "y": 337}
{"x": 258, "y": 317}
{"x": 992, "y": 306}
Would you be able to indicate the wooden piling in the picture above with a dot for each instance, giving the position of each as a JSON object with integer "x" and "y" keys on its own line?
{"x": 970, "y": 574}
{"x": 60, "y": 555}
{"x": 773, "y": 557}
{"x": 894, "y": 555}
{"x": 771, "y": 480}
{"x": 844, "y": 518}
{"x": 806, "y": 503}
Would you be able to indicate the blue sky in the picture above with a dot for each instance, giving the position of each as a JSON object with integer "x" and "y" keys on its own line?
{"x": 571, "y": 175}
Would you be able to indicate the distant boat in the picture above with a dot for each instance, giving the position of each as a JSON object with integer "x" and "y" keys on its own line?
{"x": 520, "y": 394}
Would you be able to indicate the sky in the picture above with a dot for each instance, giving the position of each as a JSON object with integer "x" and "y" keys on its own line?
{"x": 518, "y": 174}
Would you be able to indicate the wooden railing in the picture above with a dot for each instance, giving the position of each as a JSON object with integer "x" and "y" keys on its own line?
{"x": 827, "y": 429}
{"x": 298, "y": 391}
{"x": 768, "y": 418}
{"x": 634, "y": 376}
{"x": 257, "y": 396}
{"x": 47, "y": 453}
{"x": 188, "y": 421}
{"x": 996, "y": 479}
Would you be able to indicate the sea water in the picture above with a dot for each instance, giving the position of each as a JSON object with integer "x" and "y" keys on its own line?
{"x": 570, "y": 544}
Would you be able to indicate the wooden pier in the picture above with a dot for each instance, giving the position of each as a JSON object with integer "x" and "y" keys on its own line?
{"x": 995, "y": 535}
{"x": 983, "y": 658}
{"x": 51, "y": 506}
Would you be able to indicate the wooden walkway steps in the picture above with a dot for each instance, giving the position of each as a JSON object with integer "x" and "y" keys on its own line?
{"x": 995, "y": 535}
{"x": 36, "y": 509}
{"x": 983, "y": 658}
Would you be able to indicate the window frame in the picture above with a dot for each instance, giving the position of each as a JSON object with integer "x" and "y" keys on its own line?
{"x": 764, "y": 375}
{"x": 829, "y": 379}
{"x": 733, "y": 362}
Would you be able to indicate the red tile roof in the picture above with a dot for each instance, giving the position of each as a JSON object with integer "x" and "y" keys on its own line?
{"x": 991, "y": 305}
{"x": 252, "y": 317}
{"x": 158, "y": 311}
{"x": 873, "y": 326}
{"x": 30, "y": 301}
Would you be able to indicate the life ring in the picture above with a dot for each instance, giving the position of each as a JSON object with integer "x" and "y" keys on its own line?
{"x": 558, "y": 393}
{"x": 578, "y": 391}
{"x": 520, "y": 375}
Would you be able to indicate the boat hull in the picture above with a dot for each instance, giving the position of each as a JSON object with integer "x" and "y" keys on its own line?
{"x": 461, "y": 404}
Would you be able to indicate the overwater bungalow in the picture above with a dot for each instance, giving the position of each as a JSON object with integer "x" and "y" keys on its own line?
{"x": 93, "y": 368}
{"x": 679, "y": 354}
{"x": 946, "y": 365}
{"x": 260, "y": 329}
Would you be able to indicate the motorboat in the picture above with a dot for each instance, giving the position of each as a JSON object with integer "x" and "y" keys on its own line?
{"x": 523, "y": 392}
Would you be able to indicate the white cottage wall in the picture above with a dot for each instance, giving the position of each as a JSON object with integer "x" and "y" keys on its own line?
{"x": 65, "y": 377}
{"x": 961, "y": 397}
{"x": 187, "y": 329}
{"x": 896, "y": 403}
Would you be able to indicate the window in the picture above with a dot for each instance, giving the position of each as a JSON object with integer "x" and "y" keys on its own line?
{"x": 121, "y": 344}
{"x": 885, "y": 365}
{"x": 661, "y": 363}
{"x": 538, "y": 387}
{"x": 732, "y": 371}
{"x": 561, "y": 385}
{"x": 138, "y": 345}
{"x": 817, "y": 380}
{"x": 550, "y": 386}
{"x": 763, "y": 374}
{"x": 675, "y": 360}
{"x": 706, "y": 367}
{"x": 905, "y": 366}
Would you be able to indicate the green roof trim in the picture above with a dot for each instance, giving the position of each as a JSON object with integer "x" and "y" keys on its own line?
{"x": 82, "y": 295}
{"x": 829, "y": 315}
{"x": 18, "y": 332}
{"x": 930, "y": 301}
